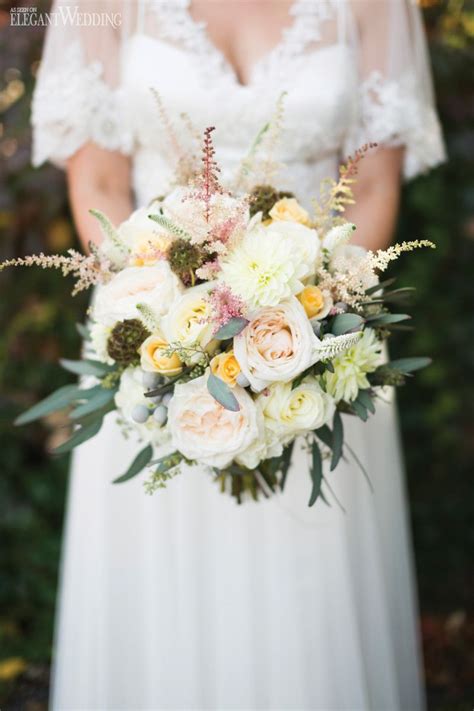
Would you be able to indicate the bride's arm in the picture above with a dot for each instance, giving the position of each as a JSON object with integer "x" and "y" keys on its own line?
{"x": 377, "y": 195}
{"x": 98, "y": 179}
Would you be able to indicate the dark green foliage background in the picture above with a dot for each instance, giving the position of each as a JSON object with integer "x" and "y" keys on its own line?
{"x": 37, "y": 317}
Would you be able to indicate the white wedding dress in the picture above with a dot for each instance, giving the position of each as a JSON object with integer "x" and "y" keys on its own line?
{"x": 186, "y": 600}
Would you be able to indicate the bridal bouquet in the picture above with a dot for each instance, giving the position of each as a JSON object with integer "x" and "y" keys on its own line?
{"x": 225, "y": 325}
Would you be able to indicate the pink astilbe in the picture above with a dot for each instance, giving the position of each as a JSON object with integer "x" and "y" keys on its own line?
{"x": 208, "y": 182}
{"x": 209, "y": 270}
{"x": 225, "y": 306}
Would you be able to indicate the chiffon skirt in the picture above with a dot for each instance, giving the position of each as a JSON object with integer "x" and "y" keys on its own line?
{"x": 186, "y": 600}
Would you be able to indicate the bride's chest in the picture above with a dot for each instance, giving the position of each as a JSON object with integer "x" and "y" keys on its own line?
{"x": 319, "y": 92}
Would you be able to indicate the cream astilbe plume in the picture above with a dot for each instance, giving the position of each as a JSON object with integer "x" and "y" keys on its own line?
{"x": 86, "y": 269}
{"x": 382, "y": 257}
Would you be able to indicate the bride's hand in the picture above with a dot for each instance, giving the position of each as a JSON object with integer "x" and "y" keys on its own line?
{"x": 98, "y": 179}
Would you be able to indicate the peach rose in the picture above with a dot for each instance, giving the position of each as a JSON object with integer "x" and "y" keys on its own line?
{"x": 277, "y": 345}
{"x": 203, "y": 430}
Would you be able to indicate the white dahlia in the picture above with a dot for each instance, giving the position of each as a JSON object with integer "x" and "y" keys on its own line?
{"x": 269, "y": 263}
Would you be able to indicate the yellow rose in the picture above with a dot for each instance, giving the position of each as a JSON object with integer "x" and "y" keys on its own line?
{"x": 147, "y": 247}
{"x": 155, "y": 360}
{"x": 226, "y": 367}
{"x": 289, "y": 210}
{"x": 312, "y": 300}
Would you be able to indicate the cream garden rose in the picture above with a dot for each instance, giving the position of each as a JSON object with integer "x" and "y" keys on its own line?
{"x": 277, "y": 345}
{"x": 188, "y": 321}
{"x": 202, "y": 429}
{"x": 290, "y": 412}
{"x": 154, "y": 359}
{"x": 154, "y": 286}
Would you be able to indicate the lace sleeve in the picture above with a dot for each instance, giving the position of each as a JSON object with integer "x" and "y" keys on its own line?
{"x": 395, "y": 104}
{"x": 77, "y": 97}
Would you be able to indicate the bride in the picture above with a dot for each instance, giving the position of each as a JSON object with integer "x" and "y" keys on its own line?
{"x": 186, "y": 600}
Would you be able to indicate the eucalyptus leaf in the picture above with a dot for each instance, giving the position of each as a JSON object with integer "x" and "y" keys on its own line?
{"x": 285, "y": 463}
{"x": 222, "y": 393}
{"x": 101, "y": 398}
{"x": 316, "y": 472}
{"x": 365, "y": 400}
{"x": 86, "y": 367}
{"x": 83, "y": 331}
{"x": 56, "y": 401}
{"x": 232, "y": 328}
{"x": 139, "y": 463}
{"x": 360, "y": 410}
{"x": 408, "y": 365}
{"x": 385, "y": 319}
{"x": 81, "y": 435}
{"x": 337, "y": 439}
{"x": 343, "y": 323}
{"x": 325, "y": 435}
{"x": 377, "y": 287}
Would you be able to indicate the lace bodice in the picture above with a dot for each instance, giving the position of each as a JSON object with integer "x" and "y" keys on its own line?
{"x": 343, "y": 87}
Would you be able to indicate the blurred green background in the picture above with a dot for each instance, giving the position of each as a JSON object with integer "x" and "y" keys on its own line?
{"x": 37, "y": 317}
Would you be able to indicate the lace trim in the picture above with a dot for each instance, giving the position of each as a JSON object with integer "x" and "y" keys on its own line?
{"x": 73, "y": 105}
{"x": 177, "y": 26}
{"x": 394, "y": 113}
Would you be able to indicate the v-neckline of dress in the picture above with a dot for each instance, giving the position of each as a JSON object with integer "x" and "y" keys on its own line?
{"x": 201, "y": 28}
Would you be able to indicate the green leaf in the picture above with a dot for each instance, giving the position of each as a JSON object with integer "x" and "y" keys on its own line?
{"x": 83, "y": 331}
{"x": 222, "y": 393}
{"x": 337, "y": 439}
{"x": 299, "y": 378}
{"x": 381, "y": 285}
{"x": 80, "y": 435}
{"x": 285, "y": 463}
{"x": 95, "y": 415}
{"x": 102, "y": 397}
{"x": 342, "y": 323}
{"x": 408, "y": 365}
{"x": 232, "y": 328}
{"x": 316, "y": 472}
{"x": 383, "y": 319}
{"x": 56, "y": 401}
{"x": 365, "y": 400}
{"x": 360, "y": 410}
{"x": 86, "y": 367}
{"x": 139, "y": 463}
{"x": 325, "y": 435}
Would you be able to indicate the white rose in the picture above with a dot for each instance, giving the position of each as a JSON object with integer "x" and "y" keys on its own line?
{"x": 277, "y": 345}
{"x": 203, "y": 430}
{"x": 290, "y": 412}
{"x": 188, "y": 321}
{"x": 154, "y": 286}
